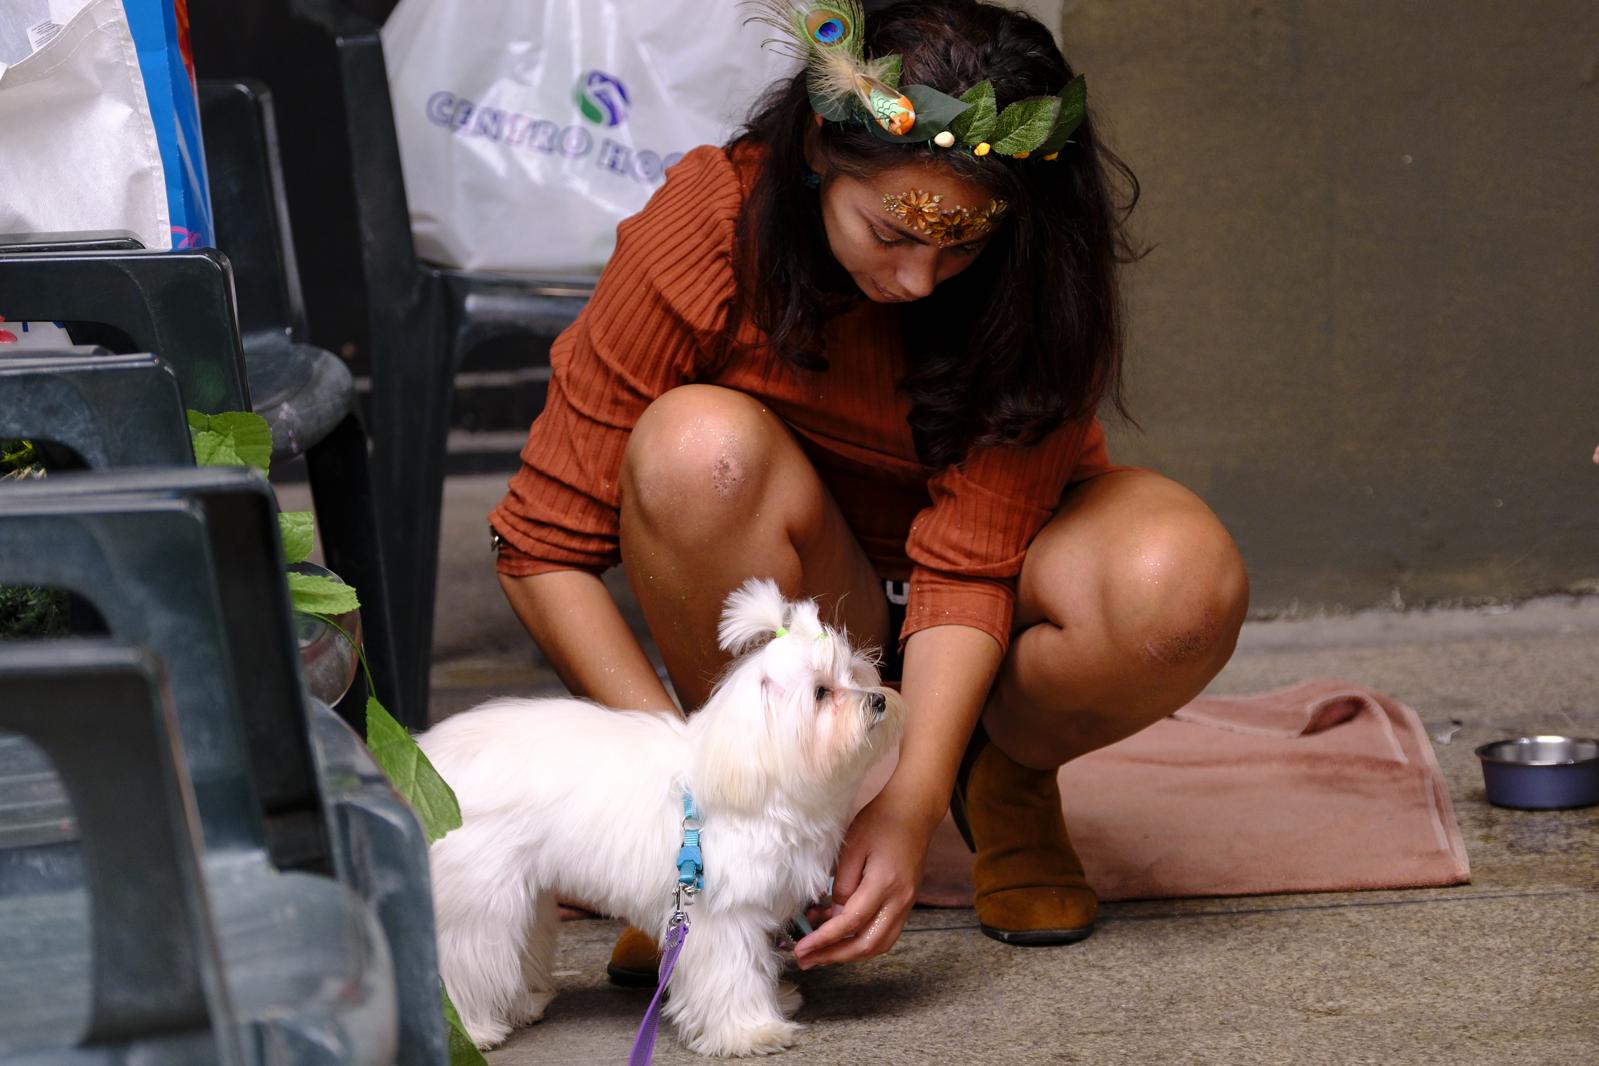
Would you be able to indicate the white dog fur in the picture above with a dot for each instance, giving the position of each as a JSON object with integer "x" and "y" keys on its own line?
{"x": 561, "y": 797}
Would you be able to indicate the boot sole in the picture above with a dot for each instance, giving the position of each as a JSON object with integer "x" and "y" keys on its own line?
{"x": 625, "y": 978}
{"x": 1036, "y": 938}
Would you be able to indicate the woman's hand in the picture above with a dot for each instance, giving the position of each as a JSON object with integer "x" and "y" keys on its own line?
{"x": 948, "y": 671}
{"x": 879, "y": 867}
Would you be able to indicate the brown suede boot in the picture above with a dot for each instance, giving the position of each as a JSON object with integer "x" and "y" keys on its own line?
{"x": 635, "y": 960}
{"x": 1029, "y": 883}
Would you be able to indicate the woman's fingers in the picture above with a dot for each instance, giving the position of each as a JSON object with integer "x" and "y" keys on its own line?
{"x": 869, "y": 925}
{"x": 878, "y": 869}
{"x": 851, "y": 865}
{"x": 849, "y": 923}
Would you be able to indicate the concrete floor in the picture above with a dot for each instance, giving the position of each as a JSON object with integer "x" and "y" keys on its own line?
{"x": 1504, "y": 970}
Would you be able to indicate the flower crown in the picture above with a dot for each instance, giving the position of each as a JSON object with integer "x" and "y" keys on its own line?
{"x": 845, "y": 86}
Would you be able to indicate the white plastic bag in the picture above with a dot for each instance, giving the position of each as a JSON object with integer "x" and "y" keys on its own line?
{"x": 529, "y": 128}
{"x": 78, "y": 148}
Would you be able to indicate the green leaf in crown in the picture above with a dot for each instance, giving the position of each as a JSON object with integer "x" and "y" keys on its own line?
{"x": 1073, "y": 109}
{"x": 845, "y": 86}
{"x": 977, "y": 123}
{"x": 1024, "y": 125}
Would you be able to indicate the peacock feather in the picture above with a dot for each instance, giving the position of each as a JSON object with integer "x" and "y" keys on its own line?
{"x": 829, "y": 36}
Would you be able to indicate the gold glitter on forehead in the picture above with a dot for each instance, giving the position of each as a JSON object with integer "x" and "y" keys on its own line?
{"x": 921, "y": 211}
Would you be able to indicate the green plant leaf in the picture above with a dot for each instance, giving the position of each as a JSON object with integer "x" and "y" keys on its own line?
{"x": 413, "y": 777}
{"x": 297, "y": 531}
{"x": 214, "y": 449}
{"x": 1073, "y": 107}
{"x": 315, "y": 594}
{"x": 462, "y": 1051}
{"x": 17, "y": 455}
{"x": 231, "y": 438}
{"x": 977, "y": 123}
{"x": 27, "y": 612}
{"x": 1024, "y": 125}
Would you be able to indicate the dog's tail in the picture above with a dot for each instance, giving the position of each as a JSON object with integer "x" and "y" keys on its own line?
{"x": 753, "y": 612}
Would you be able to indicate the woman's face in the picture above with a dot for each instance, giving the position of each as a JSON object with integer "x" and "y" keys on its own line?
{"x": 894, "y": 239}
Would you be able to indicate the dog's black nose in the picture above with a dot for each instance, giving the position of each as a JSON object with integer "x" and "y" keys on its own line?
{"x": 878, "y": 703}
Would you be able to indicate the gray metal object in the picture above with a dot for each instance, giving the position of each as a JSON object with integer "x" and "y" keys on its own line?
{"x": 1542, "y": 772}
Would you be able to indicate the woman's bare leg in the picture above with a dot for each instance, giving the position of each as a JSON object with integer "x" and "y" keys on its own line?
{"x": 715, "y": 490}
{"x": 1129, "y": 602}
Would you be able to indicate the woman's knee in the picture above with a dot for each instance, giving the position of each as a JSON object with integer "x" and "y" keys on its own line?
{"x": 1161, "y": 576}
{"x": 1184, "y": 592}
{"x": 698, "y": 452}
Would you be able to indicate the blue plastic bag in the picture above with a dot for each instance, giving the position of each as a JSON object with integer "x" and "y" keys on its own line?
{"x": 160, "y": 32}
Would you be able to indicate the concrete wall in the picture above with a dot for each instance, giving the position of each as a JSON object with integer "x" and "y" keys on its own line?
{"x": 1367, "y": 331}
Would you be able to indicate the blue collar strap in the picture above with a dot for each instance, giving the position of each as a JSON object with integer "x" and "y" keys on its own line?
{"x": 690, "y": 861}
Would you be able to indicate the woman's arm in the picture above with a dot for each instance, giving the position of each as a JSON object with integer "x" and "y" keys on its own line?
{"x": 948, "y": 672}
{"x": 968, "y": 548}
{"x": 575, "y": 622}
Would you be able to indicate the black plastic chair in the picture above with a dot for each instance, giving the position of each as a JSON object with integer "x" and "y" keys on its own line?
{"x": 100, "y": 712}
{"x": 305, "y": 393}
{"x": 180, "y": 306}
{"x": 422, "y": 321}
{"x": 107, "y": 410}
{"x": 324, "y": 805}
{"x": 200, "y": 949}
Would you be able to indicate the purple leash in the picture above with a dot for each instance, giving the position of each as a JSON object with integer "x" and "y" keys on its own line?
{"x": 644, "y": 1043}
{"x": 690, "y": 880}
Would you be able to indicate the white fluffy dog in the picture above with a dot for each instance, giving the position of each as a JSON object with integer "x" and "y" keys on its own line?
{"x": 564, "y": 798}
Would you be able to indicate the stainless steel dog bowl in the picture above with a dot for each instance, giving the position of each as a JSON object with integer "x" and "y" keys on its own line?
{"x": 1541, "y": 773}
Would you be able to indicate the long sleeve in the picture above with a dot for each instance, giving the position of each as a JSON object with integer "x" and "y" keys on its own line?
{"x": 651, "y": 325}
{"x": 967, "y": 547}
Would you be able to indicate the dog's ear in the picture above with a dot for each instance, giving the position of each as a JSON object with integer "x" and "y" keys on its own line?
{"x": 752, "y": 612}
{"x": 734, "y": 757}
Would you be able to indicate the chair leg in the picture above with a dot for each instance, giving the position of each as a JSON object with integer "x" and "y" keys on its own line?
{"x": 410, "y": 411}
{"x": 343, "y": 493}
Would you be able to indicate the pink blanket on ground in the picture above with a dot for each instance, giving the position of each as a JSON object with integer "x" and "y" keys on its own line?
{"x": 1321, "y": 787}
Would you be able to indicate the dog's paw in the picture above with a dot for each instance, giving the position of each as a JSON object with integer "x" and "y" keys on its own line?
{"x": 485, "y": 1034}
{"x": 529, "y": 1008}
{"x": 789, "y": 999}
{"x": 768, "y": 1038}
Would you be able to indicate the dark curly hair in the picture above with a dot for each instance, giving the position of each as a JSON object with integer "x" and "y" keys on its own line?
{"x": 1029, "y": 336}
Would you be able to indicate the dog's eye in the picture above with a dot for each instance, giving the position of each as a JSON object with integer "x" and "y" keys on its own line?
{"x": 821, "y": 693}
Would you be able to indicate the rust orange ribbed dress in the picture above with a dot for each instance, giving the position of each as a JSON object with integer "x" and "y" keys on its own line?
{"x": 959, "y": 534}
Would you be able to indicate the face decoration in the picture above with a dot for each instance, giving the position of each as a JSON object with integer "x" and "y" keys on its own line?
{"x": 920, "y": 210}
